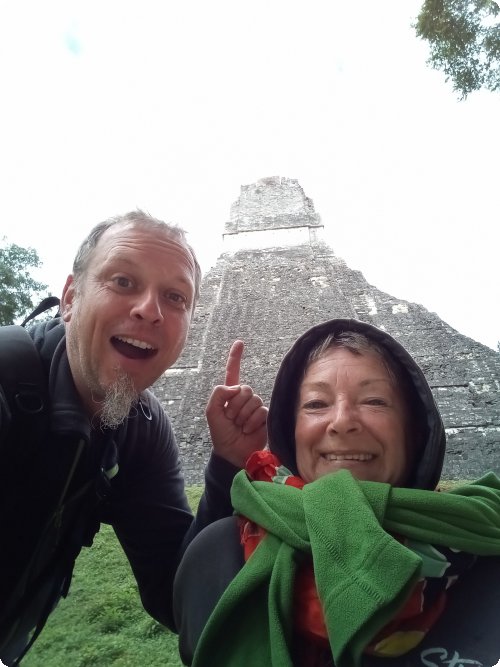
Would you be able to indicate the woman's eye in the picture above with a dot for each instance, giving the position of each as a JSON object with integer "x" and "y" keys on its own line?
{"x": 376, "y": 401}
{"x": 176, "y": 298}
{"x": 314, "y": 405}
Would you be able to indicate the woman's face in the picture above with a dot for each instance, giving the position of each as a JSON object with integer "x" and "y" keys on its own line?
{"x": 350, "y": 414}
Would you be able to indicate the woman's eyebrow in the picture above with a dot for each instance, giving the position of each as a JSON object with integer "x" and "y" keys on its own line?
{"x": 321, "y": 384}
{"x": 315, "y": 385}
{"x": 368, "y": 381}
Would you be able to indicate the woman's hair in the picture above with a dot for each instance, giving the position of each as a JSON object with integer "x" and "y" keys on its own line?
{"x": 357, "y": 343}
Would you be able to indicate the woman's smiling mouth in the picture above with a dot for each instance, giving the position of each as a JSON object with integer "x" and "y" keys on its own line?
{"x": 347, "y": 457}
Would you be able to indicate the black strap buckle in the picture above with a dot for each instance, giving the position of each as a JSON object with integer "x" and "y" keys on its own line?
{"x": 29, "y": 400}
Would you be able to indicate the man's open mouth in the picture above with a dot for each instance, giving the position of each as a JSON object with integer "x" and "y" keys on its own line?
{"x": 132, "y": 348}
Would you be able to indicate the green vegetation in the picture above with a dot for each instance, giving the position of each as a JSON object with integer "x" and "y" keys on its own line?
{"x": 464, "y": 42}
{"x": 102, "y": 623}
{"x": 446, "y": 485}
{"x": 17, "y": 287}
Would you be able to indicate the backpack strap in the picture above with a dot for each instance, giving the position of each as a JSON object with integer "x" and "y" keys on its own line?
{"x": 22, "y": 379}
{"x": 22, "y": 376}
{"x": 45, "y": 304}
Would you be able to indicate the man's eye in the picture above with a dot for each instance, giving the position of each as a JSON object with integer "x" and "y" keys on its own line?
{"x": 121, "y": 281}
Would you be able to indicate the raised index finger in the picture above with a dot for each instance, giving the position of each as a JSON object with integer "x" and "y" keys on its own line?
{"x": 233, "y": 363}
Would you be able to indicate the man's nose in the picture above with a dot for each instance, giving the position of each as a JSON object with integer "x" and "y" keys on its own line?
{"x": 343, "y": 418}
{"x": 147, "y": 307}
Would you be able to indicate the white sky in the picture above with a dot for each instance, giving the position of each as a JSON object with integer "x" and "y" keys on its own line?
{"x": 109, "y": 105}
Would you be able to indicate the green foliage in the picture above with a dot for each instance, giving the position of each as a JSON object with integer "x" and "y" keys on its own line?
{"x": 102, "y": 623}
{"x": 464, "y": 40}
{"x": 446, "y": 485}
{"x": 193, "y": 494}
{"x": 17, "y": 287}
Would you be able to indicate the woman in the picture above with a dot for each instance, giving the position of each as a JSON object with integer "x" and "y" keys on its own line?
{"x": 324, "y": 569}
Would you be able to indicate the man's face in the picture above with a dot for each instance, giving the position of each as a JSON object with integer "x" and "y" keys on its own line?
{"x": 129, "y": 314}
{"x": 350, "y": 414}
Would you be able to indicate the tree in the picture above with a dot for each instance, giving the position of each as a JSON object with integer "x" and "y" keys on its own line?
{"x": 464, "y": 40}
{"x": 17, "y": 287}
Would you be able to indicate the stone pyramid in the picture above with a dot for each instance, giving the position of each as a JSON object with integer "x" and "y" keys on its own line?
{"x": 275, "y": 279}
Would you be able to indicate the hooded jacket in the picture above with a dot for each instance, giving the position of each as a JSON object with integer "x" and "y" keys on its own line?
{"x": 475, "y": 642}
{"x": 429, "y": 459}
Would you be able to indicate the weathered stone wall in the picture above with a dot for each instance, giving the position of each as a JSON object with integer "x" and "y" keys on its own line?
{"x": 272, "y": 203}
{"x": 268, "y": 297}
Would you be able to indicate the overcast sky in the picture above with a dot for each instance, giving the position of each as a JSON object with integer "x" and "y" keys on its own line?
{"x": 109, "y": 105}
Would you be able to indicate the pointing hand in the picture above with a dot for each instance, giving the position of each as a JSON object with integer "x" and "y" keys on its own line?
{"x": 236, "y": 416}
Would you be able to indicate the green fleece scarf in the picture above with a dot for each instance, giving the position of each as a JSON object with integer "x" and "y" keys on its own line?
{"x": 363, "y": 575}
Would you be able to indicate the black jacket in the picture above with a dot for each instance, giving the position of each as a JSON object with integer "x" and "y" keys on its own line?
{"x": 145, "y": 502}
{"x": 465, "y": 634}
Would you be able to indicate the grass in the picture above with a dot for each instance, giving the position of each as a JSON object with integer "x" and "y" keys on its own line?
{"x": 446, "y": 485}
{"x": 102, "y": 623}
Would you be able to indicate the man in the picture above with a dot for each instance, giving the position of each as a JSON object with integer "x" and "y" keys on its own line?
{"x": 125, "y": 315}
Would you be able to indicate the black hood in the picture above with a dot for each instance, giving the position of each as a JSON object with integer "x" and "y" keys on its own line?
{"x": 281, "y": 419}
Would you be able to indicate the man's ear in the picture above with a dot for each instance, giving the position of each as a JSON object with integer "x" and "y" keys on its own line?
{"x": 67, "y": 299}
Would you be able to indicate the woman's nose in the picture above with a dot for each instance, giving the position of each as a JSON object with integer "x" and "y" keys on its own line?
{"x": 343, "y": 418}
